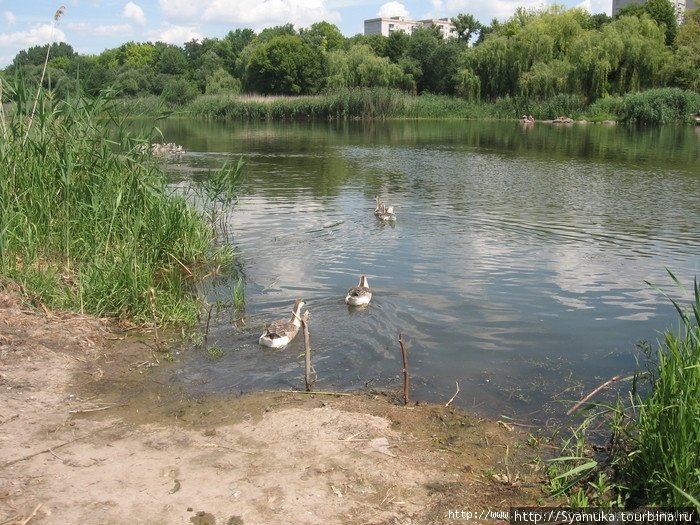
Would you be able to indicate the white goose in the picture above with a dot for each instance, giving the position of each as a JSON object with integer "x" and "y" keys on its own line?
{"x": 359, "y": 295}
{"x": 387, "y": 215}
{"x": 279, "y": 333}
{"x": 380, "y": 208}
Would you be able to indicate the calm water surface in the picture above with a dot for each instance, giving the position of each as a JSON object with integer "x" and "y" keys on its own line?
{"x": 516, "y": 266}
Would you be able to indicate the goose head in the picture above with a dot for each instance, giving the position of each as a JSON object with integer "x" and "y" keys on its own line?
{"x": 296, "y": 311}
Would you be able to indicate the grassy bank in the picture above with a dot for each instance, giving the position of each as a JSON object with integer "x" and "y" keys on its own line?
{"x": 86, "y": 221}
{"x": 652, "y": 457}
{"x": 660, "y": 106}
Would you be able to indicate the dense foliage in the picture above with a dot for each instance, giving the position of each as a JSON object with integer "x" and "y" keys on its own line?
{"x": 535, "y": 55}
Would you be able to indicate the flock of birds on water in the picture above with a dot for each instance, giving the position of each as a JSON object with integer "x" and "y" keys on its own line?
{"x": 280, "y": 333}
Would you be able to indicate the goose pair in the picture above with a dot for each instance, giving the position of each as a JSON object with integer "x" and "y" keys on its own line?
{"x": 382, "y": 212}
{"x": 280, "y": 333}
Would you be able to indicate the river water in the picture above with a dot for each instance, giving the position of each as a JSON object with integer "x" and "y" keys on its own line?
{"x": 516, "y": 267}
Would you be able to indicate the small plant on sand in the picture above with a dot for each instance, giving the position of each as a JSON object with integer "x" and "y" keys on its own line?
{"x": 214, "y": 352}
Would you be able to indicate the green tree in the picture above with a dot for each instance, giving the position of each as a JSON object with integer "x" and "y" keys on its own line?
{"x": 396, "y": 45}
{"x": 178, "y": 91}
{"x": 684, "y": 71}
{"x": 323, "y": 35}
{"x": 663, "y": 12}
{"x": 133, "y": 81}
{"x": 465, "y": 25}
{"x": 220, "y": 81}
{"x": 172, "y": 60}
{"x": 134, "y": 54}
{"x": 269, "y": 33}
{"x": 359, "y": 67}
{"x": 467, "y": 85}
{"x": 37, "y": 54}
{"x": 239, "y": 38}
{"x": 630, "y": 10}
{"x": 285, "y": 65}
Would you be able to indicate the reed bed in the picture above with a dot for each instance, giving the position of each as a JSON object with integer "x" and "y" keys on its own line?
{"x": 86, "y": 220}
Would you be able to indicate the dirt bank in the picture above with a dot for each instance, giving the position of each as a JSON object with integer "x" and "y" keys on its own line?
{"x": 87, "y": 435}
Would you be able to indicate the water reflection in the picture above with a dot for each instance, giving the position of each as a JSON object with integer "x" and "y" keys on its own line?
{"x": 517, "y": 262}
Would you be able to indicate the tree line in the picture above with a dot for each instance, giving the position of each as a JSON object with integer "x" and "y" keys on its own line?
{"x": 536, "y": 54}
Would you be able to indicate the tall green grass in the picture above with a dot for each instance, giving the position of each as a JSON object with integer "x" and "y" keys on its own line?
{"x": 86, "y": 221}
{"x": 664, "y": 467}
{"x": 653, "y": 454}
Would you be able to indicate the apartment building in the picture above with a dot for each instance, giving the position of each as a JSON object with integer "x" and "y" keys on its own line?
{"x": 386, "y": 26}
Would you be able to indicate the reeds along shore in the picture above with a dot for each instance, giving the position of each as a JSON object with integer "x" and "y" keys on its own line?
{"x": 657, "y": 106}
{"x": 85, "y": 223}
{"x": 652, "y": 456}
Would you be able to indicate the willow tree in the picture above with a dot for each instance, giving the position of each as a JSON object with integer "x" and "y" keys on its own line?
{"x": 360, "y": 67}
{"x": 467, "y": 85}
{"x": 547, "y": 79}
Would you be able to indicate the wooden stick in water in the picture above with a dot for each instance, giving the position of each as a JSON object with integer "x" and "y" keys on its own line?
{"x": 152, "y": 297}
{"x": 601, "y": 387}
{"x": 453, "y": 397}
{"x": 404, "y": 355}
{"x": 308, "y": 368}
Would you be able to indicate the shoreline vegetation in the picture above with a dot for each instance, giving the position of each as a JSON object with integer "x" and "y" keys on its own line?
{"x": 641, "y": 66}
{"x": 87, "y": 222}
{"x": 652, "y": 107}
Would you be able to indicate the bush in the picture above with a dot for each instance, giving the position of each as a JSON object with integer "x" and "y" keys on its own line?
{"x": 659, "y": 106}
{"x": 178, "y": 91}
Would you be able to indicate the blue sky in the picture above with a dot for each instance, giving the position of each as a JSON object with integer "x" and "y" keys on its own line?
{"x": 91, "y": 26}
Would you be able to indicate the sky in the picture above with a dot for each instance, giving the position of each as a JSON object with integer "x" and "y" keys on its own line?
{"x": 91, "y": 26}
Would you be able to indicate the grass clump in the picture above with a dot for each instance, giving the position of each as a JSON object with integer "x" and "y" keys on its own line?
{"x": 86, "y": 222}
{"x": 653, "y": 456}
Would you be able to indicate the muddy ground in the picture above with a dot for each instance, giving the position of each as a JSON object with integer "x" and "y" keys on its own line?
{"x": 89, "y": 435}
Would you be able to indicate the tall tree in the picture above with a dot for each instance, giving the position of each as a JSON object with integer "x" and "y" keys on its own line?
{"x": 663, "y": 12}
{"x": 465, "y": 25}
{"x": 285, "y": 65}
{"x": 323, "y": 35}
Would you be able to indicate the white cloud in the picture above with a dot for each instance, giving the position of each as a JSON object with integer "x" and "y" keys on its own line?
{"x": 100, "y": 30}
{"x": 597, "y": 6}
{"x": 485, "y": 11}
{"x": 9, "y": 18}
{"x": 258, "y": 14}
{"x": 392, "y": 9}
{"x": 174, "y": 34}
{"x": 37, "y": 35}
{"x": 134, "y": 13}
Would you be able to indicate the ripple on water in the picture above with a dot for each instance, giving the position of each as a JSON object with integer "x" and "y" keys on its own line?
{"x": 506, "y": 271}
